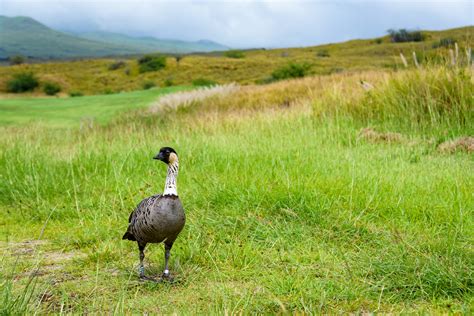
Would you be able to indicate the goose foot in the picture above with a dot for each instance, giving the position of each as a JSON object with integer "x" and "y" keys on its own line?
{"x": 167, "y": 276}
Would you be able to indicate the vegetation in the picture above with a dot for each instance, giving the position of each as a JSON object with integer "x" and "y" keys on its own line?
{"x": 403, "y": 35}
{"x": 51, "y": 88}
{"x": 203, "y": 82}
{"x": 234, "y": 54}
{"x": 76, "y": 94}
{"x": 117, "y": 65}
{"x": 92, "y": 77}
{"x": 323, "y": 53}
{"x": 16, "y": 60}
{"x": 289, "y": 207}
{"x": 148, "y": 85}
{"x": 22, "y": 82}
{"x": 151, "y": 63}
{"x": 292, "y": 70}
{"x": 445, "y": 42}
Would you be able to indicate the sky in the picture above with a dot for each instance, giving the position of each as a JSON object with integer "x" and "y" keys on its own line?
{"x": 246, "y": 23}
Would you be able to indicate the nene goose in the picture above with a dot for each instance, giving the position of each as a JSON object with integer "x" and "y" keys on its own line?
{"x": 158, "y": 218}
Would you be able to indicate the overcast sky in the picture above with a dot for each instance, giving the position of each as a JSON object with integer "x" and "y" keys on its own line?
{"x": 246, "y": 23}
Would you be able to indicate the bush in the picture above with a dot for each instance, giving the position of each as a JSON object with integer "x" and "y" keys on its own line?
{"x": 322, "y": 53}
{"x": 22, "y": 82}
{"x": 168, "y": 82}
{"x": 378, "y": 41}
{"x": 148, "y": 85}
{"x": 445, "y": 42}
{"x": 117, "y": 65}
{"x": 16, "y": 60}
{"x": 202, "y": 82}
{"x": 51, "y": 88}
{"x": 292, "y": 70}
{"x": 234, "y": 54}
{"x": 151, "y": 63}
{"x": 75, "y": 94}
{"x": 403, "y": 35}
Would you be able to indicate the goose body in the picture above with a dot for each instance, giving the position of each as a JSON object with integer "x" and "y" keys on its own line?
{"x": 158, "y": 218}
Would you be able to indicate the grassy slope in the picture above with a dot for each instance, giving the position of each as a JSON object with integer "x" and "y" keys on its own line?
{"x": 285, "y": 210}
{"x": 71, "y": 111}
{"x": 93, "y": 76}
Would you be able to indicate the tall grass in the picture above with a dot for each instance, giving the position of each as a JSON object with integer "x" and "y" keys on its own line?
{"x": 417, "y": 99}
{"x": 285, "y": 212}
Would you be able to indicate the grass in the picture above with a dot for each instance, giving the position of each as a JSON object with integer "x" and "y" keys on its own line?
{"x": 94, "y": 77}
{"x": 67, "y": 112}
{"x": 287, "y": 209}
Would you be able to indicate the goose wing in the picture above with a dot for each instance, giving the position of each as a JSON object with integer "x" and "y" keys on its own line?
{"x": 142, "y": 207}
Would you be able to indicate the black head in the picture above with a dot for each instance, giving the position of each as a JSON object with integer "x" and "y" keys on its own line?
{"x": 167, "y": 155}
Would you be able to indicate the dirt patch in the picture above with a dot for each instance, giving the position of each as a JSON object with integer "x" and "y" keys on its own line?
{"x": 35, "y": 251}
{"x": 373, "y": 136}
{"x": 465, "y": 143}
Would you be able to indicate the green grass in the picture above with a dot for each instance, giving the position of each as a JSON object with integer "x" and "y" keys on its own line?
{"x": 286, "y": 211}
{"x": 69, "y": 112}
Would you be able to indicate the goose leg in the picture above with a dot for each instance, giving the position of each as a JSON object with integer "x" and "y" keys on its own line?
{"x": 141, "y": 268}
{"x": 166, "y": 272}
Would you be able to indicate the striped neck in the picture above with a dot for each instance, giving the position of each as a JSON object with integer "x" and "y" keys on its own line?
{"x": 170, "y": 184}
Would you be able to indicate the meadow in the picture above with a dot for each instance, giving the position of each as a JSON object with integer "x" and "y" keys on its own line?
{"x": 314, "y": 195}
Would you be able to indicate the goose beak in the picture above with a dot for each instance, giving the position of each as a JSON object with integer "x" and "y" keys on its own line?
{"x": 159, "y": 156}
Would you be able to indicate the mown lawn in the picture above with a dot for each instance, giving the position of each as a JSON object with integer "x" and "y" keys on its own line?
{"x": 71, "y": 111}
{"x": 287, "y": 210}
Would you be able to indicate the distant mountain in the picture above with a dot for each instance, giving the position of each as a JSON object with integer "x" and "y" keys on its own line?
{"x": 28, "y": 37}
{"x": 148, "y": 44}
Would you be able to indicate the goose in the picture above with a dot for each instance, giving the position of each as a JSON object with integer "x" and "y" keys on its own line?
{"x": 158, "y": 218}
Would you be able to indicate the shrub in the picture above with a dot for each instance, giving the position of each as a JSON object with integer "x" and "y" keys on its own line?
{"x": 292, "y": 70}
{"x": 75, "y": 94}
{"x": 168, "y": 82}
{"x": 51, "y": 88}
{"x": 148, "y": 85}
{"x": 22, "y": 82}
{"x": 16, "y": 60}
{"x": 151, "y": 63}
{"x": 378, "y": 41}
{"x": 117, "y": 65}
{"x": 322, "y": 53}
{"x": 445, "y": 42}
{"x": 403, "y": 35}
{"x": 234, "y": 54}
{"x": 202, "y": 82}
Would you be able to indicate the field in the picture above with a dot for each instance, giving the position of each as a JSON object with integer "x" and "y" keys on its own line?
{"x": 312, "y": 195}
{"x": 94, "y": 77}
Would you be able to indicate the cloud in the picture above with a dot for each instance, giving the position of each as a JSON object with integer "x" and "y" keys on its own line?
{"x": 248, "y": 23}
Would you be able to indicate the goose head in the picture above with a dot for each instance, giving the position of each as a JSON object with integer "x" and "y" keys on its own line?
{"x": 167, "y": 154}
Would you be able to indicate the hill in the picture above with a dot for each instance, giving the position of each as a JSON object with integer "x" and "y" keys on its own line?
{"x": 94, "y": 76}
{"x": 150, "y": 44}
{"x": 28, "y": 37}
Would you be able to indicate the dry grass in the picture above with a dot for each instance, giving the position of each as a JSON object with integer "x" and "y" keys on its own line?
{"x": 465, "y": 143}
{"x": 93, "y": 76}
{"x": 187, "y": 98}
{"x": 372, "y": 135}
